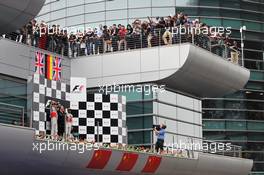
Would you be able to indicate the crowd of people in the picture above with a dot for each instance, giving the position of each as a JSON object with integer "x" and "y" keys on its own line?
{"x": 140, "y": 34}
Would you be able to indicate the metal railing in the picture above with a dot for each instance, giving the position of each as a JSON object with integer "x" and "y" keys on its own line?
{"x": 81, "y": 45}
{"x": 12, "y": 114}
{"x": 172, "y": 151}
{"x": 192, "y": 145}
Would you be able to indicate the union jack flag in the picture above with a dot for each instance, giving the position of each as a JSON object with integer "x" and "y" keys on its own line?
{"x": 40, "y": 63}
{"x": 57, "y": 68}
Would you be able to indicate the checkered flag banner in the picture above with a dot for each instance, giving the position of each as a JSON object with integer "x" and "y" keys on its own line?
{"x": 43, "y": 89}
{"x": 101, "y": 116}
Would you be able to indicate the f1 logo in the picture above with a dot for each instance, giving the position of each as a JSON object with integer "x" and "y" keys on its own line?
{"x": 78, "y": 89}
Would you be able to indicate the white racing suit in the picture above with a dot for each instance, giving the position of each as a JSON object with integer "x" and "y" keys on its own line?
{"x": 54, "y": 122}
{"x": 68, "y": 125}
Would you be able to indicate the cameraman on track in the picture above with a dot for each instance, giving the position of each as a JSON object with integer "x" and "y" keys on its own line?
{"x": 160, "y": 132}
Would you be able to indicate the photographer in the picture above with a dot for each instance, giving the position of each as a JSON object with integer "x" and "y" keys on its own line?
{"x": 160, "y": 133}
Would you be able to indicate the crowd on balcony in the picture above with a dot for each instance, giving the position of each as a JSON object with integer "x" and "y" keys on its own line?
{"x": 140, "y": 34}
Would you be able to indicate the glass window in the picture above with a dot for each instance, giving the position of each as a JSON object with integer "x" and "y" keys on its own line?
{"x": 187, "y": 10}
{"x": 258, "y": 167}
{"x": 75, "y": 10}
{"x": 186, "y": 3}
{"x": 12, "y": 92}
{"x": 58, "y": 14}
{"x": 116, "y": 4}
{"x": 250, "y": 16}
{"x": 235, "y": 24}
{"x": 132, "y": 96}
{"x": 209, "y": 3}
{"x": 45, "y": 17}
{"x": 214, "y": 124}
{"x": 255, "y": 86}
{"x": 255, "y": 136}
{"x": 94, "y": 17}
{"x": 139, "y": 122}
{"x": 75, "y": 20}
{"x": 135, "y": 137}
{"x": 236, "y": 125}
{"x": 255, "y": 125}
{"x": 257, "y": 75}
{"x": 255, "y": 146}
{"x": 160, "y": 3}
{"x": 253, "y": 26}
{"x": 73, "y": 3}
{"x": 163, "y": 11}
{"x": 92, "y": 1}
{"x": 139, "y": 3}
{"x": 251, "y": 64}
{"x": 142, "y": 137}
{"x": 139, "y": 13}
{"x": 117, "y": 14}
{"x": 61, "y": 22}
{"x": 212, "y": 21}
{"x": 134, "y": 108}
{"x": 250, "y": 6}
{"x": 255, "y": 156}
{"x": 214, "y": 135}
{"x": 230, "y": 13}
{"x": 90, "y": 8}
{"x": 58, "y": 5}
{"x": 45, "y": 9}
{"x": 253, "y": 55}
{"x": 231, "y": 3}
{"x": 209, "y": 12}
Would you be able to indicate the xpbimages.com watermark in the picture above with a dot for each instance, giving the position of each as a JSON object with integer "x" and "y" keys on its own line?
{"x": 42, "y": 147}
{"x": 148, "y": 89}
{"x": 212, "y": 147}
{"x": 181, "y": 29}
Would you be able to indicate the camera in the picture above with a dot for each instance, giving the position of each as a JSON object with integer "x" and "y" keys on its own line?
{"x": 157, "y": 127}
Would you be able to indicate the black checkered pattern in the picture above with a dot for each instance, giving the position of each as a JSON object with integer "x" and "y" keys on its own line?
{"x": 106, "y": 111}
{"x": 43, "y": 89}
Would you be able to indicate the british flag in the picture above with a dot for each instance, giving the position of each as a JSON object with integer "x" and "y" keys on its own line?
{"x": 40, "y": 63}
{"x": 57, "y": 68}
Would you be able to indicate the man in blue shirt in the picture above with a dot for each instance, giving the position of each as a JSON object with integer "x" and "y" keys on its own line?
{"x": 160, "y": 132}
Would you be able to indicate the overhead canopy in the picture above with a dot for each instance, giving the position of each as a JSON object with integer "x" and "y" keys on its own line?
{"x": 16, "y": 13}
{"x": 183, "y": 67}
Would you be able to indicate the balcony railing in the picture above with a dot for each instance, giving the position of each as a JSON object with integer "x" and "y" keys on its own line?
{"x": 82, "y": 46}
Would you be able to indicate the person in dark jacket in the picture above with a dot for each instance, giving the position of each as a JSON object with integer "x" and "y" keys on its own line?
{"x": 61, "y": 121}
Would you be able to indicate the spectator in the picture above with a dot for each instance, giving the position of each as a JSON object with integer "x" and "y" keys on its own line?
{"x": 129, "y": 37}
{"x": 114, "y": 35}
{"x": 122, "y": 38}
{"x": 99, "y": 40}
{"x": 73, "y": 45}
{"x": 89, "y": 39}
{"x": 107, "y": 39}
